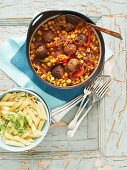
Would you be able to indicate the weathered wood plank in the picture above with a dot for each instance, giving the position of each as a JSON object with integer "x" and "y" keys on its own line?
{"x": 30, "y": 155}
{"x": 26, "y": 21}
{"x": 114, "y": 107}
{"x": 91, "y": 8}
{"x": 98, "y": 163}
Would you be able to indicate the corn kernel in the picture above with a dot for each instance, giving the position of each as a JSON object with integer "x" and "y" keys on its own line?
{"x": 82, "y": 79}
{"x": 52, "y": 78}
{"x": 64, "y": 84}
{"x": 95, "y": 48}
{"x": 84, "y": 54}
{"x": 60, "y": 80}
{"x": 79, "y": 56}
{"x": 86, "y": 76}
{"x": 49, "y": 64}
{"x": 63, "y": 81}
{"x": 57, "y": 83}
{"x": 53, "y": 60}
{"x": 68, "y": 81}
{"x": 72, "y": 35}
{"x": 81, "y": 61}
{"x": 68, "y": 36}
{"x": 88, "y": 50}
{"x": 48, "y": 78}
{"x": 49, "y": 23}
{"x": 80, "y": 49}
{"x": 39, "y": 32}
{"x": 45, "y": 29}
{"x": 43, "y": 75}
{"x": 49, "y": 73}
{"x": 65, "y": 74}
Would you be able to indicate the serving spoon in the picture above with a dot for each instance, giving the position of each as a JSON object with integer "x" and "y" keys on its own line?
{"x": 102, "y": 29}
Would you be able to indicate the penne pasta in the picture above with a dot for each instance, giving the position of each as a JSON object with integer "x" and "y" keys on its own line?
{"x": 21, "y": 140}
{"x": 29, "y": 139}
{"x": 25, "y": 135}
{"x": 6, "y": 112}
{"x": 38, "y": 111}
{"x": 8, "y": 136}
{"x": 34, "y": 135}
{"x": 13, "y": 143}
{"x": 7, "y": 103}
{"x": 20, "y": 94}
{"x": 42, "y": 110}
{"x": 23, "y": 105}
{"x": 17, "y": 105}
{"x": 16, "y": 138}
{"x": 32, "y": 116}
{"x": 31, "y": 123}
{"x": 6, "y": 97}
{"x": 5, "y": 108}
{"x": 32, "y": 104}
{"x": 41, "y": 124}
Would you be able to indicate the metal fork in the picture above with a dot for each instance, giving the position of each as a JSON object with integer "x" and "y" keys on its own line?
{"x": 59, "y": 112}
{"x": 98, "y": 93}
{"x": 88, "y": 90}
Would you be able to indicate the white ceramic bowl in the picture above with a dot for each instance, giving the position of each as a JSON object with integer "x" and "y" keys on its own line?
{"x": 44, "y": 130}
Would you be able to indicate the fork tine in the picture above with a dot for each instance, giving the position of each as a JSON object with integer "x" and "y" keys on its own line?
{"x": 93, "y": 85}
{"x": 100, "y": 87}
{"x": 101, "y": 84}
{"x": 104, "y": 90}
{"x": 101, "y": 91}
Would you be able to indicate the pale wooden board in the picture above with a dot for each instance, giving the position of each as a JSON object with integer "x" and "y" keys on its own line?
{"x": 86, "y": 138}
{"x": 114, "y": 108}
{"x": 29, "y": 7}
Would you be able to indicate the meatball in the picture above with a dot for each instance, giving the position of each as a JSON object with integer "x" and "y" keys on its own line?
{"x": 73, "y": 19}
{"x": 69, "y": 27}
{"x": 58, "y": 71}
{"x": 81, "y": 39}
{"x": 73, "y": 65}
{"x": 48, "y": 36}
{"x": 41, "y": 52}
{"x": 70, "y": 49}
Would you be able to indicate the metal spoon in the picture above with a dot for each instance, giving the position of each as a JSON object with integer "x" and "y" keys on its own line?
{"x": 105, "y": 30}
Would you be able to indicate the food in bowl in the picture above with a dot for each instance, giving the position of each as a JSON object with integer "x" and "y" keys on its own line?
{"x": 64, "y": 51}
{"x": 22, "y": 118}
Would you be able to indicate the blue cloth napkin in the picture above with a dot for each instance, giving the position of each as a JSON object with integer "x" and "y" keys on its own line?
{"x": 14, "y": 63}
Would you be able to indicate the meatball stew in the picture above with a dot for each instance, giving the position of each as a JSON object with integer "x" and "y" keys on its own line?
{"x": 64, "y": 51}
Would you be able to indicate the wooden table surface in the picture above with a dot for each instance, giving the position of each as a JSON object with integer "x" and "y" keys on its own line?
{"x": 101, "y": 140}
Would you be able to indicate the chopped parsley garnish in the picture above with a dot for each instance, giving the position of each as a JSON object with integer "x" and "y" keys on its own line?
{"x": 21, "y": 124}
{"x": 25, "y": 123}
{"x": 17, "y": 124}
{"x": 20, "y": 131}
{"x": 3, "y": 127}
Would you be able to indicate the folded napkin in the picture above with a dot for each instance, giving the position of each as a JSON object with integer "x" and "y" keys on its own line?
{"x": 14, "y": 63}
